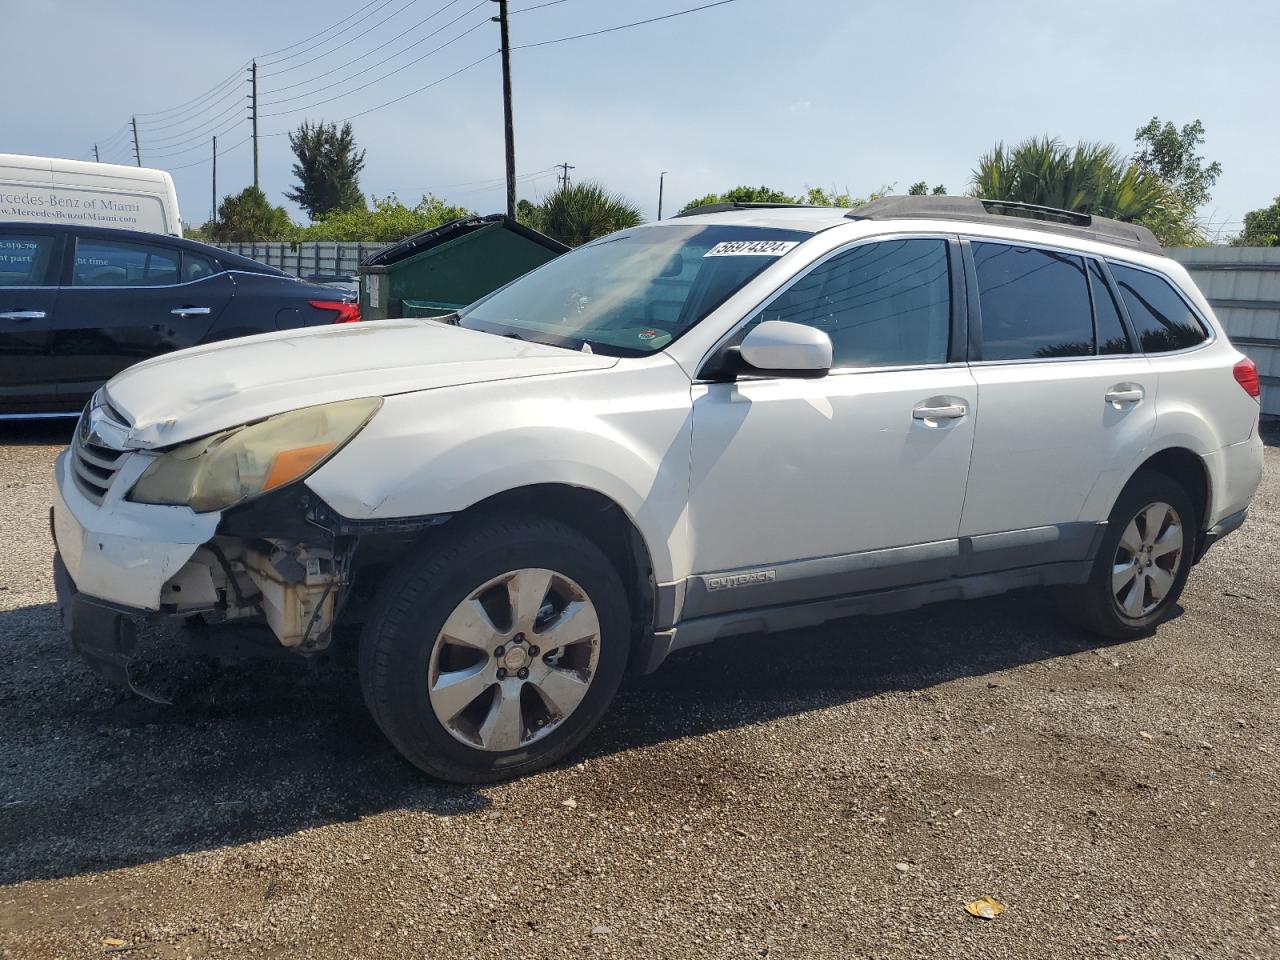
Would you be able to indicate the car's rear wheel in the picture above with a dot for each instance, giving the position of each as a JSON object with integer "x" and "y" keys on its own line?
{"x": 496, "y": 651}
{"x": 1143, "y": 562}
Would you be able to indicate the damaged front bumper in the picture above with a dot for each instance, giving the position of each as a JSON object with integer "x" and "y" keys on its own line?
{"x": 119, "y": 561}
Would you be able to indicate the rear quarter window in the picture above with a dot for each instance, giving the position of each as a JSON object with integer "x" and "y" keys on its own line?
{"x": 1162, "y": 319}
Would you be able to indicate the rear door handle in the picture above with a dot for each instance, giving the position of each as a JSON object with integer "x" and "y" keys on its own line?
{"x": 23, "y": 315}
{"x": 949, "y": 411}
{"x": 1124, "y": 393}
{"x": 190, "y": 311}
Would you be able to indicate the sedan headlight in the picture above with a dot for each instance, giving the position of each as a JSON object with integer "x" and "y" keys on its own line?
{"x": 218, "y": 471}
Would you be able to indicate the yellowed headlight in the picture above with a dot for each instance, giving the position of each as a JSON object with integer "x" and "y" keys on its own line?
{"x": 218, "y": 471}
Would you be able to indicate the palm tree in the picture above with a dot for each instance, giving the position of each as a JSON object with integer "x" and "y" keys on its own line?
{"x": 1088, "y": 178}
{"x": 581, "y": 212}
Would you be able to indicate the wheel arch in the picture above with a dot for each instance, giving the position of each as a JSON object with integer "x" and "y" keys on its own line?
{"x": 1189, "y": 470}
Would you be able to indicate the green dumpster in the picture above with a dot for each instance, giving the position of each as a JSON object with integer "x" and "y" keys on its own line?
{"x": 436, "y": 272}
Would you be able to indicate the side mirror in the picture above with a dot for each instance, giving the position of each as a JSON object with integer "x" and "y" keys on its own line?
{"x": 778, "y": 348}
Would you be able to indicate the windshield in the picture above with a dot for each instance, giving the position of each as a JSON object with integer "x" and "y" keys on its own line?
{"x": 633, "y": 292}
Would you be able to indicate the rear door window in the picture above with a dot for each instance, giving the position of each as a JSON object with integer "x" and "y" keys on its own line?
{"x": 123, "y": 263}
{"x": 1112, "y": 338}
{"x": 25, "y": 259}
{"x": 196, "y": 267}
{"x": 1163, "y": 320}
{"x": 1035, "y": 303}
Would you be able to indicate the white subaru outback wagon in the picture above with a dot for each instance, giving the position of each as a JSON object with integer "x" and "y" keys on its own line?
{"x": 743, "y": 419}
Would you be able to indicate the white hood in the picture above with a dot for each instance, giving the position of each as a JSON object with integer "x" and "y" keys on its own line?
{"x": 181, "y": 396}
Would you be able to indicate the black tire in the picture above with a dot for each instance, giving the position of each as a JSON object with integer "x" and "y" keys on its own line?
{"x": 412, "y": 606}
{"x": 1093, "y": 605}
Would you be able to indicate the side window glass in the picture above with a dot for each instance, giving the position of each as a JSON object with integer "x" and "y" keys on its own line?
{"x": 25, "y": 259}
{"x": 196, "y": 267}
{"x": 122, "y": 263}
{"x": 1035, "y": 303}
{"x": 882, "y": 304}
{"x": 1106, "y": 314}
{"x": 1161, "y": 318}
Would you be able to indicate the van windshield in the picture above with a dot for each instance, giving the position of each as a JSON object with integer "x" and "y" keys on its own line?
{"x": 634, "y": 292}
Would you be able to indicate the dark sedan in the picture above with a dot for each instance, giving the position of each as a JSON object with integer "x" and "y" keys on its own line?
{"x": 79, "y": 304}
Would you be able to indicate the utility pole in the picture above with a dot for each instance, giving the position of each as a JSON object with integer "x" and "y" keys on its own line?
{"x": 96, "y": 158}
{"x": 253, "y": 83}
{"x": 137, "y": 151}
{"x": 661, "y": 177}
{"x": 213, "y": 218}
{"x": 501, "y": 20}
{"x": 564, "y": 177}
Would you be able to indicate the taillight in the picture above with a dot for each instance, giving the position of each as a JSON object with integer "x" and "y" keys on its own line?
{"x": 1246, "y": 374}
{"x": 345, "y": 311}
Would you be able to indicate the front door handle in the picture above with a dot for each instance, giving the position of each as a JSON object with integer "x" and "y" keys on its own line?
{"x": 1124, "y": 393}
{"x": 23, "y": 315}
{"x": 190, "y": 311}
{"x": 948, "y": 411}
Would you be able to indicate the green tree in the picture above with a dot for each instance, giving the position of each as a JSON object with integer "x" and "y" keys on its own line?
{"x": 1089, "y": 178}
{"x": 1261, "y": 228}
{"x": 813, "y": 196}
{"x": 389, "y": 220}
{"x": 743, "y": 195}
{"x": 328, "y": 169}
{"x": 249, "y": 215}
{"x": 920, "y": 188}
{"x": 1172, "y": 155}
{"x": 583, "y": 211}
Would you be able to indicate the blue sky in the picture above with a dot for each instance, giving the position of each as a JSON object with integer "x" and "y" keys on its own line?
{"x": 855, "y": 94}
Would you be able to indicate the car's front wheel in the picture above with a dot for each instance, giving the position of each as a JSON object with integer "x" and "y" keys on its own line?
{"x": 1143, "y": 562}
{"x": 496, "y": 651}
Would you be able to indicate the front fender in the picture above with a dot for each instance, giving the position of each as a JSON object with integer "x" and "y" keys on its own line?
{"x": 617, "y": 433}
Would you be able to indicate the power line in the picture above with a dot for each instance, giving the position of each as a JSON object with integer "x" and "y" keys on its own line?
{"x": 623, "y": 26}
{"x": 337, "y": 23}
{"x": 370, "y": 83}
{"x": 362, "y": 33}
{"x": 195, "y": 101}
{"x": 548, "y": 3}
{"x": 380, "y": 46}
{"x": 438, "y": 30}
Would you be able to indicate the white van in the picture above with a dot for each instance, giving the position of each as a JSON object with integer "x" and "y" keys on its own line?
{"x": 50, "y": 190}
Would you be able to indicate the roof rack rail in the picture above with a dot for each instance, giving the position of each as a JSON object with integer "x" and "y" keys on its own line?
{"x": 1029, "y": 215}
{"x": 743, "y": 205}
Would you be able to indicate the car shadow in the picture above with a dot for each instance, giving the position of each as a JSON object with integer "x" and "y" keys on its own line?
{"x": 92, "y": 780}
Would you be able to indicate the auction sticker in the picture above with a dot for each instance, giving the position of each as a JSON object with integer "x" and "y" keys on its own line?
{"x": 751, "y": 248}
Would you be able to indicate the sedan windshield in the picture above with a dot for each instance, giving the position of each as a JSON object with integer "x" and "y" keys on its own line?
{"x": 631, "y": 293}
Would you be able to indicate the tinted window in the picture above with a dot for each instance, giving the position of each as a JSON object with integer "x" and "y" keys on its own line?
{"x": 1111, "y": 333}
{"x": 196, "y": 267}
{"x": 882, "y": 304}
{"x": 122, "y": 263}
{"x": 24, "y": 259}
{"x": 1035, "y": 303}
{"x": 1160, "y": 316}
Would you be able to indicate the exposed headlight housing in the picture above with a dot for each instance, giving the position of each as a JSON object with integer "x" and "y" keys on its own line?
{"x": 222, "y": 470}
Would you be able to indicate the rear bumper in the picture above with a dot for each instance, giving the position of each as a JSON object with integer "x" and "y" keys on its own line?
{"x": 1222, "y": 528}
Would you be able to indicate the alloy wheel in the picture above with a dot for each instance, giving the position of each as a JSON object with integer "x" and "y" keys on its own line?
{"x": 1147, "y": 560}
{"x": 514, "y": 659}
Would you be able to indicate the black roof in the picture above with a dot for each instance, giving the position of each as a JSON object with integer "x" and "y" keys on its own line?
{"x": 1001, "y": 212}
{"x": 452, "y": 231}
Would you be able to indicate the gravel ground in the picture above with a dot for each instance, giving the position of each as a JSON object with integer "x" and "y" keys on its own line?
{"x": 840, "y": 792}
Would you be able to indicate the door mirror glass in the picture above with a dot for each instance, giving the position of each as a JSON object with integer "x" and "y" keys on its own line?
{"x": 784, "y": 349}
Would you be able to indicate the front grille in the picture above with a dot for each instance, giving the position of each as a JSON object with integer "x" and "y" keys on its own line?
{"x": 93, "y": 466}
